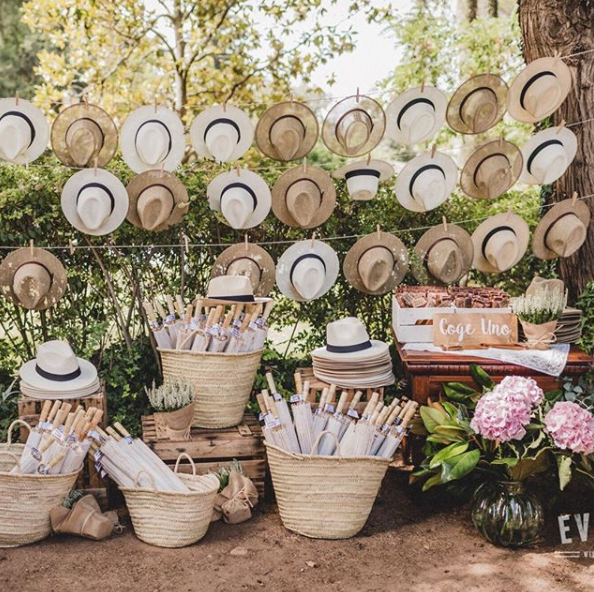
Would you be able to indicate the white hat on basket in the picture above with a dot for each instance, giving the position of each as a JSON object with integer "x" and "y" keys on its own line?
{"x": 363, "y": 177}
{"x": 222, "y": 133}
{"x": 230, "y": 288}
{"x": 24, "y": 132}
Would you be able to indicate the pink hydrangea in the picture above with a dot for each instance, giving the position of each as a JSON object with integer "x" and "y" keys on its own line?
{"x": 571, "y": 427}
{"x": 522, "y": 387}
{"x": 501, "y": 417}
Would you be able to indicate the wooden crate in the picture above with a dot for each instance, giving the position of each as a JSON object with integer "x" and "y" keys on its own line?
{"x": 212, "y": 448}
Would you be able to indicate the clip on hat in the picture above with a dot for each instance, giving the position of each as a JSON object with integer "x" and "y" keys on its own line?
{"x": 363, "y": 177}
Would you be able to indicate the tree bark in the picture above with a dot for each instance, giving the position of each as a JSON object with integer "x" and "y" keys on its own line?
{"x": 471, "y": 10}
{"x": 493, "y": 8}
{"x": 567, "y": 27}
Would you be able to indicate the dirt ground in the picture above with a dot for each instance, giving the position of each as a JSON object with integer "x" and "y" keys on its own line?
{"x": 406, "y": 545}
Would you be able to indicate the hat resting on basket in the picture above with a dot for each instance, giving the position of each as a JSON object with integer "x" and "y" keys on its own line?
{"x": 94, "y": 201}
{"x": 250, "y": 260}
{"x": 153, "y": 137}
{"x": 562, "y": 230}
{"x": 539, "y": 89}
{"x": 307, "y": 270}
{"x": 241, "y": 196}
{"x": 32, "y": 278}
{"x": 416, "y": 115}
{"x": 500, "y": 242}
{"x": 376, "y": 263}
{"x": 303, "y": 197}
{"x": 83, "y": 134}
{"x": 426, "y": 181}
{"x": 223, "y": 133}
{"x": 157, "y": 200}
{"x": 231, "y": 289}
{"x": 287, "y": 131}
{"x": 547, "y": 155}
{"x": 24, "y": 131}
{"x": 363, "y": 177}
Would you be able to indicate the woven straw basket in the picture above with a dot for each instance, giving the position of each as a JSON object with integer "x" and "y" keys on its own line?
{"x": 173, "y": 519}
{"x": 324, "y": 497}
{"x": 222, "y": 382}
{"x": 26, "y": 500}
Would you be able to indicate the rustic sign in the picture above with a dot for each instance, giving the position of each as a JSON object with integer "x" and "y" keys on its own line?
{"x": 472, "y": 330}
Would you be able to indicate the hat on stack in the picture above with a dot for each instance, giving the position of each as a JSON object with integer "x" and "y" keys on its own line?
{"x": 363, "y": 177}
{"x": 24, "y": 131}
{"x": 350, "y": 359}
{"x": 56, "y": 373}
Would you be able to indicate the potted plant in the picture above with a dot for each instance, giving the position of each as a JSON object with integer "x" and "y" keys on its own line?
{"x": 173, "y": 403}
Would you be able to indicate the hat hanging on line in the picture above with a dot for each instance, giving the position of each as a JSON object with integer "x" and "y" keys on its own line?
{"x": 231, "y": 289}
{"x": 354, "y": 126}
{"x": 443, "y": 255}
{"x": 539, "y": 89}
{"x": 491, "y": 170}
{"x": 562, "y": 230}
{"x": 307, "y": 270}
{"x": 83, "y": 134}
{"x": 547, "y": 155}
{"x": 223, "y": 133}
{"x": 363, "y": 177}
{"x": 416, "y": 115}
{"x": 32, "y": 278}
{"x": 250, "y": 260}
{"x": 241, "y": 196}
{"x": 426, "y": 181}
{"x": 287, "y": 131}
{"x": 94, "y": 201}
{"x": 376, "y": 263}
{"x": 500, "y": 242}
{"x": 303, "y": 197}
{"x": 24, "y": 131}
{"x": 152, "y": 137}
{"x": 157, "y": 200}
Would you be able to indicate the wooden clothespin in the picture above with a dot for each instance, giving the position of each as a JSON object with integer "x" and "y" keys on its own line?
{"x": 162, "y": 170}
{"x": 433, "y": 148}
{"x": 423, "y": 86}
{"x": 313, "y": 240}
{"x": 95, "y": 166}
{"x": 26, "y": 164}
{"x": 246, "y": 242}
{"x": 560, "y": 126}
{"x": 357, "y": 96}
{"x": 16, "y": 98}
{"x": 86, "y": 98}
{"x": 224, "y": 106}
{"x": 238, "y": 170}
{"x": 501, "y": 141}
{"x": 368, "y": 158}
{"x": 379, "y": 232}
{"x": 445, "y": 223}
{"x": 304, "y": 164}
{"x": 574, "y": 198}
{"x": 155, "y": 104}
{"x": 291, "y": 99}
{"x": 70, "y": 246}
{"x": 186, "y": 243}
{"x": 32, "y": 247}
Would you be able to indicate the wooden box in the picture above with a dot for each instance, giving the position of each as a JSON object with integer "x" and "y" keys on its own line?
{"x": 210, "y": 449}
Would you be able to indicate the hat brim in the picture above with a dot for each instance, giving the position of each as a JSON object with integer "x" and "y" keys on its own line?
{"x": 378, "y": 348}
{"x": 40, "y": 125}
{"x": 293, "y": 175}
{"x": 88, "y": 374}
{"x": 385, "y": 169}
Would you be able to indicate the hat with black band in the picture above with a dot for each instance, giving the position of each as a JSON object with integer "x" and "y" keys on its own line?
{"x": 364, "y": 176}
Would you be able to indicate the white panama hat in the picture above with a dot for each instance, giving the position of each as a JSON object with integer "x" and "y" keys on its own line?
{"x": 363, "y": 177}
{"x": 24, "y": 131}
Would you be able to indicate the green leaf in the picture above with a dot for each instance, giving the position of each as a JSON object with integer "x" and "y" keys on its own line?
{"x": 509, "y": 461}
{"x": 481, "y": 377}
{"x": 466, "y": 464}
{"x": 435, "y": 480}
{"x": 435, "y": 439}
{"x": 530, "y": 466}
{"x": 451, "y": 409}
{"x": 432, "y": 418}
{"x": 447, "y": 452}
{"x": 564, "y": 468}
{"x": 453, "y": 433}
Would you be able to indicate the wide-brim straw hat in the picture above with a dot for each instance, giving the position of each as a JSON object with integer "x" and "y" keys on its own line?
{"x": 363, "y": 177}
{"x": 491, "y": 170}
{"x": 152, "y": 137}
{"x": 24, "y": 131}
{"x": 540, "y": 284}
{"x": 539, "y": 89}
{"x": 416, "y": 115}
{"x": 83, "y": 135}
{"x": 250, "y": 260}
{"x": 304, "y": 197}
{"x": 502, "y": 238}
{"x": 443, "y": 255}
{"x": 376, "y": 263}
{"x": 359, "y": 115}
{"x": 547, "y": 155}
{"x": 43, "y": 278}
{"x": 562, "y": 230}
{"x": 477, "y": 105}
{"x": 287, "y": 131}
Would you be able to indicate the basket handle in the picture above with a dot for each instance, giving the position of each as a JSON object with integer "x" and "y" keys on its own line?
{"x": 15, "y": 422}
{"x": 149, "y": 475}
{"x": 185, "y": 455}
{"x": 317, "y": 441}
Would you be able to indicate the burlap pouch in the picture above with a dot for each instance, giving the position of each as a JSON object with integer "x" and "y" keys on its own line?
{"x": 539, "y": 336}
{"x": 84, "y": 519}
{"x": 234, "y": 504}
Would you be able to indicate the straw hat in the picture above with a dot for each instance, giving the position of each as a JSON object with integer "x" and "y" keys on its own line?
{"x": 354, "y": 126}
{"x": 500, "y": 242}
{"x": 363, "y": 177}
{"x": 477, "y": 105}
{"x": 222, "y": 133}
{"x": 94, "y": 202}
{"x": 376, "y": 263}
{"x": 539, "y": 90}
{"x": 303, "y": 197}
{"x": 82, "y": 133}
{"x": 416, "y": 115}
{"x": 153, "y": 137}
{"x": 540, "y": 284}
{"x": 562, "y": 230}
{"x": 307, "y": 270}
{"x": 32, "y": 278}
{"x": 24, "y": 131}
{"x": 287, "y": 131}
{"x": 247, "y": 259}
{"x": 242, "y": 197}
{"x": 547, "y": 155}
{"x": 491, "y": 170}
{"x": 426, "y": 182}
{"x": 443, "y": 255}
{"x": 158, "y": 200}
{"x": 230, "y": 288}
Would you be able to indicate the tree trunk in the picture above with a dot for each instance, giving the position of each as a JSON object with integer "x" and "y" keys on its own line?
{"x": 471, "y": 10}
{"x": 493, "y": 8}
{"x": 567, "y": 27}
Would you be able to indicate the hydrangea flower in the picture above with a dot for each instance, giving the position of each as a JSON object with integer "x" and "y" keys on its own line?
{"x": 502, "y": 416}
{"x": 571, "y": 427}
{"x": 520, "y": 386}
